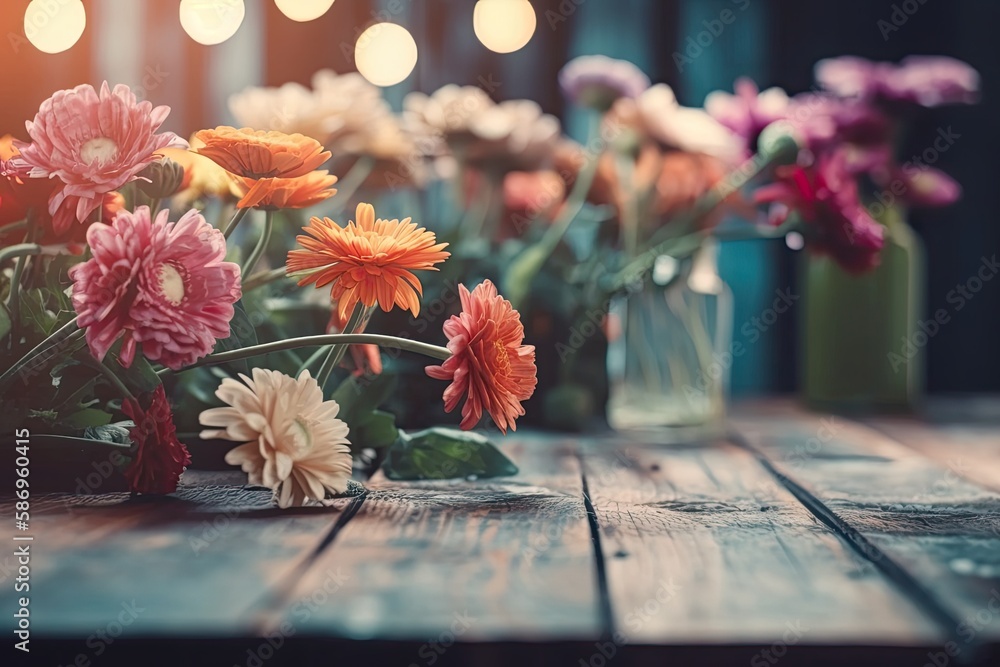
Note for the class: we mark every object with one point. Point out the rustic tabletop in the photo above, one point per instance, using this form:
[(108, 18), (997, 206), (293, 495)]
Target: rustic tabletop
[(800, 538)]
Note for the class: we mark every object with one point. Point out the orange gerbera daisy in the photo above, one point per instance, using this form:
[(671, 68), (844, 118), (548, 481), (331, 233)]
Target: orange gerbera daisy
[(276, 193), (260, 154), (488, 365), (369, 261)]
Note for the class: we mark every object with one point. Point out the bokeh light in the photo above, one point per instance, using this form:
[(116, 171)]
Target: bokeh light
[(385, 54), (53, 27), (303, 10), (211, 21), (504, 26)]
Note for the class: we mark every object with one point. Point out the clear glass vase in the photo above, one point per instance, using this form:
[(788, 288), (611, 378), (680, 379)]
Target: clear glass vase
[(668, 366)]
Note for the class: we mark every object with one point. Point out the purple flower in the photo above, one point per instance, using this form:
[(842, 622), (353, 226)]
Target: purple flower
[(749, 111), (931, 81), (924, 80), (597, 81)]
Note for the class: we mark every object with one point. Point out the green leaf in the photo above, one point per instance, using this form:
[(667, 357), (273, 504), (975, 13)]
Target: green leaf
[(34, 312), (377, 431), (445, 453), (87, 417), (357, 400), (522, 271), (241, 334), (139, 376)]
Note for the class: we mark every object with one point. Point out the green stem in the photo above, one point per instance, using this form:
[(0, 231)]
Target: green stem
[(13, 297), (313, 358), (63, 335), (258, 251), (112, 377), (433, 351), (13, 227), (235, 222), (262, 278), (353, 179), (154, 206), (336, 352), (19, 250)]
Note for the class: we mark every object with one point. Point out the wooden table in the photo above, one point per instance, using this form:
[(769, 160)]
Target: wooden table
[(801, 539)]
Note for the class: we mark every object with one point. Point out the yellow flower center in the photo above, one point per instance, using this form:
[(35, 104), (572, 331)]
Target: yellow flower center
[(99, 150), (171, 284), (502, 357)]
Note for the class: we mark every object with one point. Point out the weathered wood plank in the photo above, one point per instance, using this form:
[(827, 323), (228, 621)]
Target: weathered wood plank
[(703, 545), (941, 529), (193, 563), (497, 559), (969, 451)]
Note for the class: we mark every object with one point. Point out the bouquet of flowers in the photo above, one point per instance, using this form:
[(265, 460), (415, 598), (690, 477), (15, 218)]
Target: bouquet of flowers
[(120, 287)]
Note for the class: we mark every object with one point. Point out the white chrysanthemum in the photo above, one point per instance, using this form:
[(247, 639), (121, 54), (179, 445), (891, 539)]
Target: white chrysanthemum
[(294, 443), (512, 135), (657, 114)]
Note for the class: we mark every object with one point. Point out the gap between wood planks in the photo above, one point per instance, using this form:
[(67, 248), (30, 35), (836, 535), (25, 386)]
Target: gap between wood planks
[(909, 585)]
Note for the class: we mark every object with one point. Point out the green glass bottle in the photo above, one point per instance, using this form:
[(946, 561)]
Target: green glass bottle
[(862, 350)]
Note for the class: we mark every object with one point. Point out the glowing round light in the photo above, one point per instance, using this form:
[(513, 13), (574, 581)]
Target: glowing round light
[(303, 10), (54, 26), (795, 241), (504, 26), (211, 21), (385, 54)]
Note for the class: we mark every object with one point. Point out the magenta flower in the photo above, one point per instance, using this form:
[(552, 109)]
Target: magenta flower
[(748, 111), (159, 284), (924, 80), (93, 143), (597, 81), (826, 196)]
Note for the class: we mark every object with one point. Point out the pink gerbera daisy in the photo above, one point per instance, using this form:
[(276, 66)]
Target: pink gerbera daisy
[(160, 284), (94, 143)]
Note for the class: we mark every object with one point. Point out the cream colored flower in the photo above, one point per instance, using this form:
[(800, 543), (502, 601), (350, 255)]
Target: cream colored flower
[(656, 114), (294, 443), (509, 136), (345, 113)]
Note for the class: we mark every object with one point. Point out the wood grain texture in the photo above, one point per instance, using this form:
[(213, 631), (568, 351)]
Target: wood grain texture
[(940, 528), (194, 563), (703, 545), (971, 451), (497, 559)]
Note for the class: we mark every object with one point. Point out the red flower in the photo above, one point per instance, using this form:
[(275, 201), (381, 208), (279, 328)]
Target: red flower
[(489, 366), (158, 457), (826, 196)]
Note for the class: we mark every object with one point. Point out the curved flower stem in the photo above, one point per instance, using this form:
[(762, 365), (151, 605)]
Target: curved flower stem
[(336, 352), (234, 223), (262, 278), (392, 342), (20, 250), (13, 227), (258, 251)]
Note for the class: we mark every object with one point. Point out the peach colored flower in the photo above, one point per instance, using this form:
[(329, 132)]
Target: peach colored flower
[(369, 261), (94, 143), (277, 193), (293, 441), (259, 154), (159, 284), (489, 366)]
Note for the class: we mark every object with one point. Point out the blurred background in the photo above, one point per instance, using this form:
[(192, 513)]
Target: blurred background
[(775, 42)]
